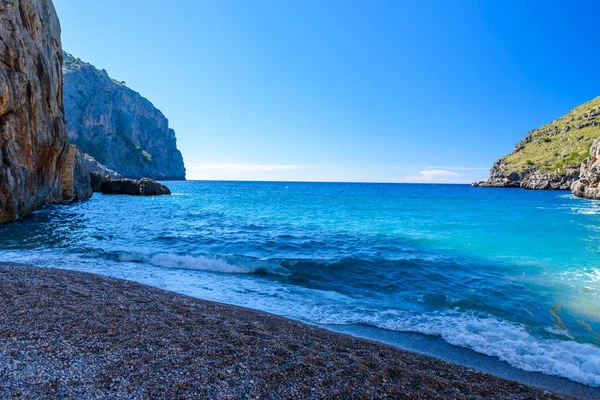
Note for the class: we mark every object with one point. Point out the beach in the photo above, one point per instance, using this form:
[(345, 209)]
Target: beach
[(285, 207), (69, 334)]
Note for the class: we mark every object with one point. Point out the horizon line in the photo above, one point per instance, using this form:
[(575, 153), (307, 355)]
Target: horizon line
[(301, 181)]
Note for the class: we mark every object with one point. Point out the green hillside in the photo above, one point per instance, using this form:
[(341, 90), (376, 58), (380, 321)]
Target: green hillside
[(560, 145)]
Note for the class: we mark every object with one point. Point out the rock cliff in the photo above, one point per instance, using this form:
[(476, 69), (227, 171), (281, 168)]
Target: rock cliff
[(589, 183), (76, 181), (33, 138), (550, 157), (117, 126)]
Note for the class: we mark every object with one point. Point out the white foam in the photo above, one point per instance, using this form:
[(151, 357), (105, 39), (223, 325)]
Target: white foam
[(558, 332), (505, 340), (568, 196), (508, 341), (196, 263)]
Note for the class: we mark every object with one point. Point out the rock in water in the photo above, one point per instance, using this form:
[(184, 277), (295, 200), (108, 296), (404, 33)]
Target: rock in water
[(99, 173), (33, 138), (589, 183), (117, 126), (143, 187), (550, 157)]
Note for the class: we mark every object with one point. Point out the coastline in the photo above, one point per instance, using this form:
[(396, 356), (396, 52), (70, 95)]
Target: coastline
[(67, 333)]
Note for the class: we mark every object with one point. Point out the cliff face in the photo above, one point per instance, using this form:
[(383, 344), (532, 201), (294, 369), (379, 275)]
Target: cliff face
[(550, 157), (589, 183), (33, 139), (117, 126), (76, 181)]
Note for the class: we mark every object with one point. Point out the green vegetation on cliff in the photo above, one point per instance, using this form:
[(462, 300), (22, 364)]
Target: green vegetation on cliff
[(560, 145)]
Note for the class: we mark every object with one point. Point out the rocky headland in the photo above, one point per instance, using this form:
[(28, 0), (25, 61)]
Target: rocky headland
[(550, 158), (33, 138), (117, 126)]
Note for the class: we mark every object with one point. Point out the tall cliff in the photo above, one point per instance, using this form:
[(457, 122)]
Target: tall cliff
[(550, 157), (33, 139), (117, 126)]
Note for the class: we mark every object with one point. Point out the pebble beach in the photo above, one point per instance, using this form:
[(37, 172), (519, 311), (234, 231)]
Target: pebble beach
[(68, 334)]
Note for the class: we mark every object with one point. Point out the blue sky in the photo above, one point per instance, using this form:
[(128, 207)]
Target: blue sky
[(379, 91)]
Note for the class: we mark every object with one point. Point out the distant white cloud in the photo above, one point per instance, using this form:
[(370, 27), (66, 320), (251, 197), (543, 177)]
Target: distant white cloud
[(434, 176), (462, 168), (248, 167)]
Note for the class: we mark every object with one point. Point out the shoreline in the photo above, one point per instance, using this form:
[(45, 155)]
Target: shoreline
[(68, 333), (438, 348)]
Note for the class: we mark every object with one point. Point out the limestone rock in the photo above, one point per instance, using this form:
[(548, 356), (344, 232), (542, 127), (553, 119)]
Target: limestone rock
[(33, 139), (143, 187), (117, 126), (589, 183), (531, 179), (549, 181), (99, 173), (76, 182)]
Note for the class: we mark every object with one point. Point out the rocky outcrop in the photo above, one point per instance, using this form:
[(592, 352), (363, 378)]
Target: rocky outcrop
[(76, 182), (143, 187), (531, 180), (99, 173), (589, 183), (117, 126), (549, 181), (33, 139), (549, 158)]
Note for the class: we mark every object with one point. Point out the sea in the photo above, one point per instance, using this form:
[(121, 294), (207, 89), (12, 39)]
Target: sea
[(509, 274)]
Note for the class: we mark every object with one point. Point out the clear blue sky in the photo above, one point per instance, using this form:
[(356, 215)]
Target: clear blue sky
[(386, 91)]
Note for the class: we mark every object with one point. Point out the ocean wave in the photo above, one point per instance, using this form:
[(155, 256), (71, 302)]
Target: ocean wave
[(196, 263), (549, 351), (228, 265), (569, 196), (508, 341), (588, 211)]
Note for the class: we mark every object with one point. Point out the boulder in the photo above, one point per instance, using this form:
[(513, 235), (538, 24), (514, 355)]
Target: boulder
[(99, 173), (143, 187)]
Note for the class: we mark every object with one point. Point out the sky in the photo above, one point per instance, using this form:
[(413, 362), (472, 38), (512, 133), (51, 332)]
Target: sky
[(341, 90)]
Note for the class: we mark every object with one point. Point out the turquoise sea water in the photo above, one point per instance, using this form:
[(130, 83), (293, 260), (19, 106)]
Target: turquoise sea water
[(508, 273)]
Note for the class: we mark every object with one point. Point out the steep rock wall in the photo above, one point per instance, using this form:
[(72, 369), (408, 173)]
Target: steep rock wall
[(76, 180), (33, 139), (117, 126)]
